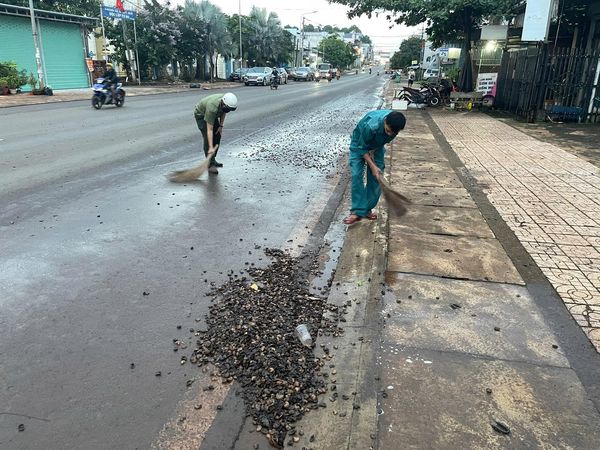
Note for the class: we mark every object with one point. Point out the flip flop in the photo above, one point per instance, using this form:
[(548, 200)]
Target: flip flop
[(371, 216), (351, 219)]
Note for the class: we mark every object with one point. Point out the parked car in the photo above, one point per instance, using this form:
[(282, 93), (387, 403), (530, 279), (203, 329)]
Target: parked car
[(291, 71), (304, 74), (237, 74), (258, 75), (283, 75)]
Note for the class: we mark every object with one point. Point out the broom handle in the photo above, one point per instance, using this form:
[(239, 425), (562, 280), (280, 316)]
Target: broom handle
[(374, 169)]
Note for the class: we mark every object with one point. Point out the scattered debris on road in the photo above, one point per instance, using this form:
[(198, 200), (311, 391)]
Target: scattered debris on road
[(251, 338)]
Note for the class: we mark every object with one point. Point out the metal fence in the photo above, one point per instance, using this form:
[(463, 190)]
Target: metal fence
[(544, 83)]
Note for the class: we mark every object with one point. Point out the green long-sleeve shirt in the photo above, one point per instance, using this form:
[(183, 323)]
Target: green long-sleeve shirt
[(209, 108)]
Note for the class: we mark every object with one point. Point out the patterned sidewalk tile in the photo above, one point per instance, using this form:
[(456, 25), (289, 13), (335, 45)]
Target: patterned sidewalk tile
[(548, 197)]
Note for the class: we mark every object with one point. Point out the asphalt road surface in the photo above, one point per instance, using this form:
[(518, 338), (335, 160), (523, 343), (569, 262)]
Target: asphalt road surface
[(101, 258)]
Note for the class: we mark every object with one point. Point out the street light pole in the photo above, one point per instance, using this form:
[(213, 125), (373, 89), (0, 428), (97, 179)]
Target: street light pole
[(302, 37), (240, 24), (302, 44), (36, 46)]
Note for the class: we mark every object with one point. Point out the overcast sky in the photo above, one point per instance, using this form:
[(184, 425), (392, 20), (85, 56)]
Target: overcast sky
[(328, 14)]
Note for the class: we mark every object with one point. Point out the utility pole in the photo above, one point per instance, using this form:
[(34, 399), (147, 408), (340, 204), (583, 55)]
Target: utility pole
[(301, 44), (240, 19), (36, 46)]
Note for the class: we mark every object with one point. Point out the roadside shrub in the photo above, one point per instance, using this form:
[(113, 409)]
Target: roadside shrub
[(452, 74), (10, 76), (32, 81)]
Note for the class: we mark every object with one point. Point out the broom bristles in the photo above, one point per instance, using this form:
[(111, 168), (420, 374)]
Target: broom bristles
[(183, 176), (395, 200)]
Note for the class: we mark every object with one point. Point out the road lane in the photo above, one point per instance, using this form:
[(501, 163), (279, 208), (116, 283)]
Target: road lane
[(88, 224)]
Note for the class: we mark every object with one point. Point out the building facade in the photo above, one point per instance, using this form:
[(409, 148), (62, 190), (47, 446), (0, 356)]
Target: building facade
[(62, 38)]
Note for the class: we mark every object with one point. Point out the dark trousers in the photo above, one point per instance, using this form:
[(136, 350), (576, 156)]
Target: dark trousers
[(216, 136)]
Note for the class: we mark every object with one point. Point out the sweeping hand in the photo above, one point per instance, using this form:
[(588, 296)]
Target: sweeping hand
[(375, 170)]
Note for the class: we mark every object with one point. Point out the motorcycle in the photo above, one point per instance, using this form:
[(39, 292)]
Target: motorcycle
[(425, 96), (103, 94), (274, 82)]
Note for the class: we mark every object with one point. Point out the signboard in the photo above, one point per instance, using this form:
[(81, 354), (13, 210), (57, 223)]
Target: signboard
[(414, 62), (443, 52), (115, 13), (486, 83), (493, 32), (537, 20), (90, 64)]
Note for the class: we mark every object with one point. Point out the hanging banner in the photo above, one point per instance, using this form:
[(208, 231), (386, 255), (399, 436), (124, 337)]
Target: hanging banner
[(115, 13)]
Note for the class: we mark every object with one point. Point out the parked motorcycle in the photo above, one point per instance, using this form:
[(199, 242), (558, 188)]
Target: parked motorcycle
[(103, 94), (424, 96)]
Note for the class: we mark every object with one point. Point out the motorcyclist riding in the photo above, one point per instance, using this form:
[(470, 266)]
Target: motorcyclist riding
[(275, 75), (111, 79)]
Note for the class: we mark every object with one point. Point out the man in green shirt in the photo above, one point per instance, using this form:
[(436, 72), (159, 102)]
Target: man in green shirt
[(210, 115)]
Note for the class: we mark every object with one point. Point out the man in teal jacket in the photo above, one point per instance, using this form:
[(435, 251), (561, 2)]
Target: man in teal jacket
[(374, 130)]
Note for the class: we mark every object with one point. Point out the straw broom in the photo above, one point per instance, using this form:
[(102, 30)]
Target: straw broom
[(395, 200), (182, 176)]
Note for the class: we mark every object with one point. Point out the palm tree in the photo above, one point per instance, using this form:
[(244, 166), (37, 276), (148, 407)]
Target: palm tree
[(219, 39), (265, 36)]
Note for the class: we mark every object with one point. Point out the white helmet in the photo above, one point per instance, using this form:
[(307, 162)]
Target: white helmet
[(230, 100)]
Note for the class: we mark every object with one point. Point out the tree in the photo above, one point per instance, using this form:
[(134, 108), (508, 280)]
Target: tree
[(410, 50), (158, 35), (233, 25), (309, 28), (445, 20), (365, 39), (192, 43), (336, 51), (90, 8), (266, 37), (286, 49), (218, 37)]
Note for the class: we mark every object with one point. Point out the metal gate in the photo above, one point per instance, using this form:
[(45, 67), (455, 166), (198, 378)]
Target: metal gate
[(542, 83)]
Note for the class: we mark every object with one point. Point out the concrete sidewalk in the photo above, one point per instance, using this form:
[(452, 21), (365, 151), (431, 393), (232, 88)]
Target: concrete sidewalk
[(444, 337), (69, 95)]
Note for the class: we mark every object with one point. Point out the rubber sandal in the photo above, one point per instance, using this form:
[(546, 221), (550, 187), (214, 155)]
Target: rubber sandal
[(351, 219), (371, 216)]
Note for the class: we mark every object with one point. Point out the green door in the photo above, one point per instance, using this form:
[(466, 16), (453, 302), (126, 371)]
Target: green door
[(16, 43), (64, 55), (62, 48)]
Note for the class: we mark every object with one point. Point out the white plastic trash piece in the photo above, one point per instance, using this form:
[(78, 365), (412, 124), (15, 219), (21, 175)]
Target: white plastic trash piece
[(399, 105), (304, 335)]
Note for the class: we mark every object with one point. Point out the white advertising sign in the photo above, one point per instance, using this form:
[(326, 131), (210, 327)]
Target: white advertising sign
[(537, 20), (486, 82)]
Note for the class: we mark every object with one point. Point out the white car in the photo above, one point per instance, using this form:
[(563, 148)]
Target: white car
[(258, 75)]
